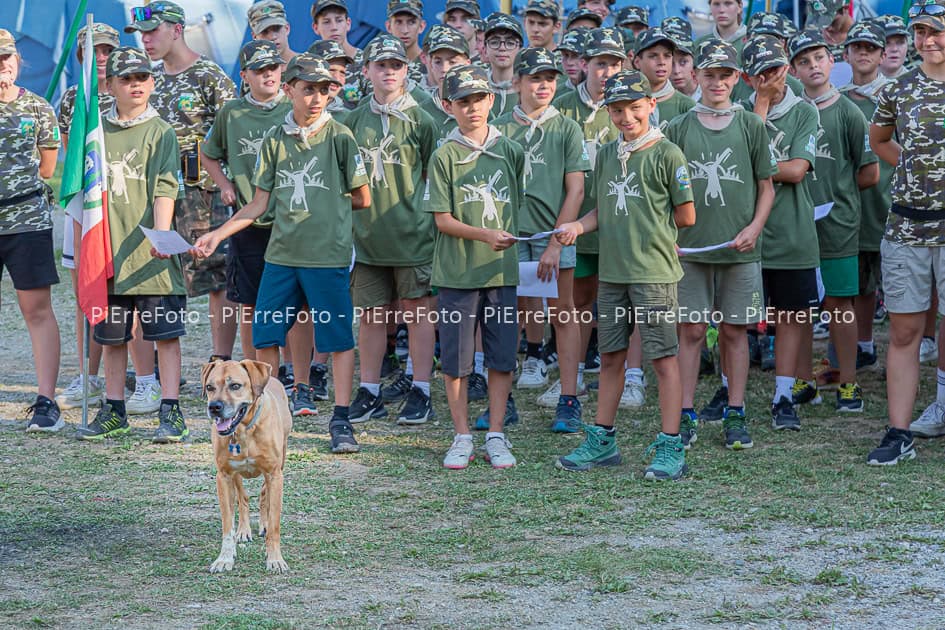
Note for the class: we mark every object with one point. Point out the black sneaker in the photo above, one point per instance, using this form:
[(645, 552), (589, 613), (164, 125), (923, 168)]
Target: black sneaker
[(688, 428), (897, 445), (398, 390), (549, 354), (477, 388), (716, 407), (784, 416), (342, 436), (106, 424), (303, 403), (389, 365), (318, 381), (43, 416), (417, 409), (511, 416), (366, 406), (285, 377), (592, 363), (171, 427), (865, 360), (736, 430), (754, 350)]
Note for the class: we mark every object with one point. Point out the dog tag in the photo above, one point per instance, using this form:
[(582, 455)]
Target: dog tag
[(234, 448)]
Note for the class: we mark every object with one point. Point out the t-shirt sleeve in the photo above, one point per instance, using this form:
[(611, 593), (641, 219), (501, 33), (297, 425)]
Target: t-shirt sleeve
[(167, 163), (214, 145), (518, 166), (221, 89), (680, 185), (887, 107), (858, 138), (66, 108), (762, 158), (265, 178), (47, 127), (349, 161), (576, 159), (804, 137), (427, 132), (439, 194)]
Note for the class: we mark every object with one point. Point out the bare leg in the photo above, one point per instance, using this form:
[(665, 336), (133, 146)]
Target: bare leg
[(246, 331), (670, 390), (456, 398), (691, 338), (343, 370), (37, 310), (116, 360), (735, 341), (843, 335), (372, 342), (902, 366), (300, 340), (500, 384), (567, 332), (611, 386), (169, 362), (421, 337), (222, 323)]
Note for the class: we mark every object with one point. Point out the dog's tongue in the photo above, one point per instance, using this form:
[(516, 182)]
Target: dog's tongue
[(223, 424)]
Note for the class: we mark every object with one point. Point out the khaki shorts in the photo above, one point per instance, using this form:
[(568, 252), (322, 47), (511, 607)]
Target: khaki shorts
[(910, 273), (733, 292), (652, 307), (373, 286), (871, 275), (195, 214)]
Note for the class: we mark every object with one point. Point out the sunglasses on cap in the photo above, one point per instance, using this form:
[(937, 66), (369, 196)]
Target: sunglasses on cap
[(140, 14), (930, 7)]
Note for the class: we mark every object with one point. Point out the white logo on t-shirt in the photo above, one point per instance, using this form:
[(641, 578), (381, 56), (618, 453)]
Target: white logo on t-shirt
[(714, 173), (120, 171), (489, 195), (380, 156), (298, 181), (621, 189)]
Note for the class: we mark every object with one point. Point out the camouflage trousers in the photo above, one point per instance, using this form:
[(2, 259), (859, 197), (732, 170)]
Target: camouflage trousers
[(197, 212)]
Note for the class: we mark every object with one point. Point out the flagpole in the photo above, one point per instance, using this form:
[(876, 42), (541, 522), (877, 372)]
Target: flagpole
[(78, 248), (66, 49)]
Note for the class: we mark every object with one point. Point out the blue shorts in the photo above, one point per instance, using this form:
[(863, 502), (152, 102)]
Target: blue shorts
[(282, 293)]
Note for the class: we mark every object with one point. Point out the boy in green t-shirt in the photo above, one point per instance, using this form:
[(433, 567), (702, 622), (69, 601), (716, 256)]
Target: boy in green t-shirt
[(731, 167), (268, 22), (655, 58), (338, 62), (443, 48), (728, 16), (393, 239), (643, 194), (475, 192), (405, 22), (462, 15), (555, 164), (845, 166), (144, 181), (683, 76), (330, 20), (503, 40), (311, 174), (571, 48), (788, 259)]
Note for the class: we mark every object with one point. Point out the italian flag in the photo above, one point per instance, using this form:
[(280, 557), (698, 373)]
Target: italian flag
[(84, 193)]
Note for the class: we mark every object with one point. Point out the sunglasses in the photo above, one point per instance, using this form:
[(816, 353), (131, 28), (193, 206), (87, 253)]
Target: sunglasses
[(140, 14), (929, 8)]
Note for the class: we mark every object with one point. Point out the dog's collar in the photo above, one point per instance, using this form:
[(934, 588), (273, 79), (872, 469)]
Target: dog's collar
[(255, 417)]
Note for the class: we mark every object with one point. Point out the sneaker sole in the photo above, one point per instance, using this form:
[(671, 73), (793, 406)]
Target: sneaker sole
[(851, 409), (346, 448), (623, 405), (536, 385), (563, 464), (304, 412), (412, 421), (562, 428), (170, 439), (98, 438), (652, 476), (904, 456), (374, 415), (142, 412), (35, 428), (501, 467), (922, 434), (739, 446), (450, 467), (785, 427)]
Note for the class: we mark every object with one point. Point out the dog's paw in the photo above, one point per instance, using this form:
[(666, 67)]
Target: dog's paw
[(222, 564), (276, 565), (246, 536)]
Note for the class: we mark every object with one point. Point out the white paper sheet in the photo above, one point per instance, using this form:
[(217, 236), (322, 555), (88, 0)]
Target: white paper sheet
[(700, 250), (822, 211), (166, 242), (536, 237), (529, 285)]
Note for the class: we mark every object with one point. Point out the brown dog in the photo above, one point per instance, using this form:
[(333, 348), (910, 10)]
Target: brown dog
[(252, 422)]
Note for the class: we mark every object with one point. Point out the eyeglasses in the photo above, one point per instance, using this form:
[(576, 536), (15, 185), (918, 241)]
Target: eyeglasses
[(507, 44), (930, 7)]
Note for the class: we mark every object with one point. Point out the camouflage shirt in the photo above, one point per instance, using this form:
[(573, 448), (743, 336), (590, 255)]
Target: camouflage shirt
[(915, 105), (416, 71), (189, 102), (356, 85), (67, 107), (27, 125)]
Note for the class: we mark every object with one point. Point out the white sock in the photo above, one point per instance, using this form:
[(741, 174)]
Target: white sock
[(580, 378), (724, 381), (634, 375), (423, 387), (782, 387), (940, 389), (374, 388), (492, 434), (480, 358), (867, 346), (409, 369), (463, 436), (141, 381)]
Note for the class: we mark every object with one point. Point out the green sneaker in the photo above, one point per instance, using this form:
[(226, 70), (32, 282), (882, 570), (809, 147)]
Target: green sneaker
[(669, 459), (107, 423), (688, 423), (597, 449), (735, 427), (171, 427)]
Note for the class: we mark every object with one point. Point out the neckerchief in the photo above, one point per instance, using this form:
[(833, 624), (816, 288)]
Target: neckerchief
[(702, 108), (336, 104), (535, 123), (739, 33), (503, 89), (782, 108), (664, 92), (146, 115), (626, 149), (266, 105), (869, 90), (395, 109), (585, 97), (823, 98), (476, 149), (302, 133)]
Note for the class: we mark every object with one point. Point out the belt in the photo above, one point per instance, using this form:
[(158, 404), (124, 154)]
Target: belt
[(917, 214), (12, 201)]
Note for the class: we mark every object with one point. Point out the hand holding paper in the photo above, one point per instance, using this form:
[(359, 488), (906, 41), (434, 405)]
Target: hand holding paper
[(166, 243), (530, 285)]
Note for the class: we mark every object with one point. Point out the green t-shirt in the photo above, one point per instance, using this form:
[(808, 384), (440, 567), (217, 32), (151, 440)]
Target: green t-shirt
[(505, 102), (394, 231), (235, 138), (443, 122), (143, 163), (635, 213), (843, 147), (485, 193), (725, 167), (553, 150), (875, 201), (598, 130), (790, 232), (675, 105), (310, 190)]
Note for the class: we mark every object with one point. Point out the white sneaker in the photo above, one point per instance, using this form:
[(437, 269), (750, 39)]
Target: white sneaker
[(552, 394), (821, 330), (534, 374), (460, 453), (498, 454), (633, 396), (71, 396), (931, 423), (145, 399), (928, 350)]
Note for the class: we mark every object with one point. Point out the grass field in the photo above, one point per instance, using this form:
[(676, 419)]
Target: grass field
[(797, 532)]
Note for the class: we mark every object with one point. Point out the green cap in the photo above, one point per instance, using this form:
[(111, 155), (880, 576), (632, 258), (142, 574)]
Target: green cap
[(463, 81), (320, 5), (308, 67), (258, 54), (102, 35), (776, 24), (805, 40), (383, 47), (574, 41), (867, 31), (469, 6), (632, 15), (329, 49), (653, 36), (763, 52), (503, 22), (7, 42), (583, 14), (931, 13), (544, 8), (892, 24), (627, 85), (149, 17), (442, 37), (126, 60), (604, 41), (716, 53), (535, 60), (413, 7), (264, 14), (677, 28), (822, 12)]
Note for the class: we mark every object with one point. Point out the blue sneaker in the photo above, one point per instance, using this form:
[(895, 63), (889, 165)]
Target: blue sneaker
[(567, 416), (511, 416)]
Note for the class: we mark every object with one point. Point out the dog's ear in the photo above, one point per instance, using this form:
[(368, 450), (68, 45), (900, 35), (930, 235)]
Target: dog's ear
[(205, 375), (259, 374)]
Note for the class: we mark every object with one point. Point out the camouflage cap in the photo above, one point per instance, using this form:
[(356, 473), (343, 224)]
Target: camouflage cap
[(677, 28), (463, 81), (574, 41), (583, 14), (763, 52), (604, 41), (716, 53), (776, 24), (102, 35), (503, 22), (822, 12), (442, 37), (383, 47), (930, 13), (308, 67), (632, 15), (629, 40), (126, 60), (7, 42), (413, 7), (469, 6), (653, 36), (627, 85), (805, 40), (151, 16), (544, 8), (320, 5), (867, 31), (258, 54), (329, 49), (265, 14), (478, 23), (535, 60), (892, 24)]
